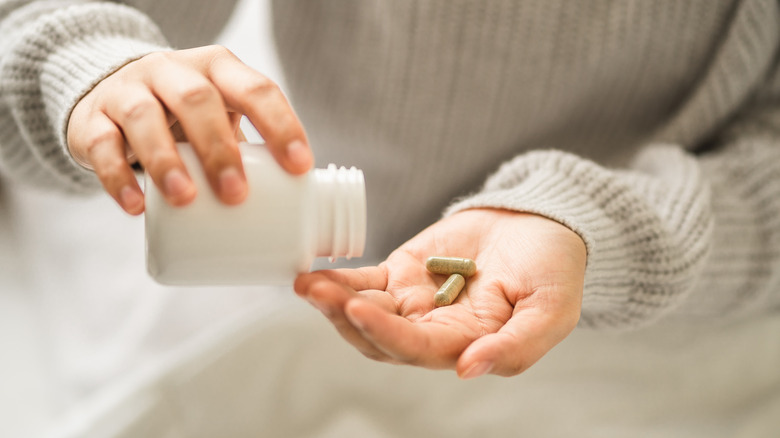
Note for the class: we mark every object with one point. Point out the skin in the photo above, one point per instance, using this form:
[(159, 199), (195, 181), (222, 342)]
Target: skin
[(525, 298), (198, 95)]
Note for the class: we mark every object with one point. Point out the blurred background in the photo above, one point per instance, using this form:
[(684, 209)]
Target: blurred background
[(77, 310)]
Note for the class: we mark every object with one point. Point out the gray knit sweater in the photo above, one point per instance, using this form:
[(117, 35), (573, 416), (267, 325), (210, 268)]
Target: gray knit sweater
[(650, 128)]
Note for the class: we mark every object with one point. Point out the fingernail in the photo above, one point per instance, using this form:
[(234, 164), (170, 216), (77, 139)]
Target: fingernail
[(231, 184), (299, 155), (176, 184), (477, 369), (131, 200)]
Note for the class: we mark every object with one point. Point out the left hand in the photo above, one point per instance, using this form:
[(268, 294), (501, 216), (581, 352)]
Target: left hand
[(524, 299)]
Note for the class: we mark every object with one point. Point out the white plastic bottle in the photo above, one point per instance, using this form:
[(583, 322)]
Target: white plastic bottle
[(275, 234)]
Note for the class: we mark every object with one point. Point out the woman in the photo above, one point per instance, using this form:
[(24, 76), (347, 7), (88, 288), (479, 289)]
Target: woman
[(654, 209)]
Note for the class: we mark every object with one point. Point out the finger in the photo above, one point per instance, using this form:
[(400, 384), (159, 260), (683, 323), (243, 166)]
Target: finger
[(106, 154), (200, 111), (369, 282), (426, 344), (330, 297), (326, 291), (143, 122), (520, 343), (253, 94), (367, 277)]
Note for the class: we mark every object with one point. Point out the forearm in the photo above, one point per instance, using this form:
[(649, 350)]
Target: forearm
[(51, 54), (741, 273)]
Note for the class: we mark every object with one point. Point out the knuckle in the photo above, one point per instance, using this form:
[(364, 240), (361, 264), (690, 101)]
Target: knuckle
[(219, 154), (197, 94), (156, 58), (160, 162), (98, 137), (110, 170), (259, 86), (288, 124), (217, 50), (137, 108), (211, 160)]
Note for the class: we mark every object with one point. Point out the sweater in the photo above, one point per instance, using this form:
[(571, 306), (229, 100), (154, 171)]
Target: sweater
[(652, 129)]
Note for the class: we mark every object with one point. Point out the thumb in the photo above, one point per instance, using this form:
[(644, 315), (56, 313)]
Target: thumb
[(520, 343)]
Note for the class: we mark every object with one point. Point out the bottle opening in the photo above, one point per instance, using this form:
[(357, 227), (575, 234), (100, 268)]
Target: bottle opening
[(341, 199)]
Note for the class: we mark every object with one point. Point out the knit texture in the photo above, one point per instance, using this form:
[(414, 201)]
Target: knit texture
[(601, 111), (51, 56), (649, 128)]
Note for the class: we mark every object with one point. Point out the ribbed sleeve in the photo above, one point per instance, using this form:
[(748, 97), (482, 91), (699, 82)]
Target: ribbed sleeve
[(681, 230), (675, 234), (646, 231), (51, 56)]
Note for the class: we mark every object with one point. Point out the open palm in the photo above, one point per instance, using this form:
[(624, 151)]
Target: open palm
[(523, 300)]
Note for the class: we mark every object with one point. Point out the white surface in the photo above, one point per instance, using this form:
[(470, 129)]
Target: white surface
[(288, 374), (24, 384)]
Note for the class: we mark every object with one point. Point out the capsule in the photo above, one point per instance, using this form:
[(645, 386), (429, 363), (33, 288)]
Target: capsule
[(451, 265), (449, 290)]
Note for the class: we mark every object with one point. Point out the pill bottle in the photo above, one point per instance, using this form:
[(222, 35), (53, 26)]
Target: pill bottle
[(285, 222)]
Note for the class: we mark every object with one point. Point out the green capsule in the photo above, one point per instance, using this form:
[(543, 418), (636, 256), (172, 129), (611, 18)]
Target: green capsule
[(449, 290), (451, 265)]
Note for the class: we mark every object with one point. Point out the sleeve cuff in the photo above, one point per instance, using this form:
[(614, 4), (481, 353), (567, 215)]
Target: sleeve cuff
[(640, 263), (58, 60)]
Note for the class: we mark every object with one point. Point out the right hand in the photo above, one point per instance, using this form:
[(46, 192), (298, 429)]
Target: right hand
[(197, 95)]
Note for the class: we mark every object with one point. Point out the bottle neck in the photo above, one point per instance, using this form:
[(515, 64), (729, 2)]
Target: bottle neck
[(341, 212)]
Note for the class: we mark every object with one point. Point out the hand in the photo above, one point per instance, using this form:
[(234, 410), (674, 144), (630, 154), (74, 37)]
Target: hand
[(524, 299), (200, 94)]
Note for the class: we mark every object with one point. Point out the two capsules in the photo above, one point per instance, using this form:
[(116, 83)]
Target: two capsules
[(458, 270)]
